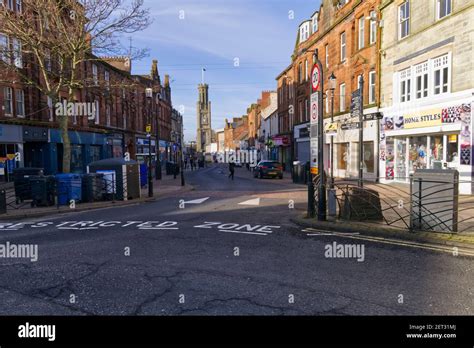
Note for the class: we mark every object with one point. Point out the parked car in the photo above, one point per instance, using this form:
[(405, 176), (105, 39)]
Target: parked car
[(272, 169)]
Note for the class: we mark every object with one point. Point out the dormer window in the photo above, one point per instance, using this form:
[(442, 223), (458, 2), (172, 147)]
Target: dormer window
[(315, 24), (304, 31)]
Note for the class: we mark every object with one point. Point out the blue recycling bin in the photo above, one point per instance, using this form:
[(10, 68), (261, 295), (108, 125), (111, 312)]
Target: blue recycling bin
[(143, 175), (69, 188)]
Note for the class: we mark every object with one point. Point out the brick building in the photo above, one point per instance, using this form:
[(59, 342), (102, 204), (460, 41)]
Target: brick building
[(346, 35)]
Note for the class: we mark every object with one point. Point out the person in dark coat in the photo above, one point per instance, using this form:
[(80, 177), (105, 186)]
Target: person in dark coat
[(231, 170)]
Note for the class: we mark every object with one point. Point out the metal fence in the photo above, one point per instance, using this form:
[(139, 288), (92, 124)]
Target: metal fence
[(433, 205)]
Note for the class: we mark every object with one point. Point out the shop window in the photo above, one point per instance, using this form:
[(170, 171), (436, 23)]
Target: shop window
[(369, 157), (418, 153), (401, 158), (342, 156), (95, 153), (453, 149), (436, 149), (77, 159)]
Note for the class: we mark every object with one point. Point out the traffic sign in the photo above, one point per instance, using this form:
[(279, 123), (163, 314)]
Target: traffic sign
[(315, 78), (148, 128), (314, 108), (373, 117), (355, 103), (350, 126)]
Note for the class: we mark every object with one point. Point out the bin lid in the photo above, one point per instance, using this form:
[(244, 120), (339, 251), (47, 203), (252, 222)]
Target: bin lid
[(112, 162)]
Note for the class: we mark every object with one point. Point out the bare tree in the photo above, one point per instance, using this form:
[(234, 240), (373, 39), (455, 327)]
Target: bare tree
[(47, 43)]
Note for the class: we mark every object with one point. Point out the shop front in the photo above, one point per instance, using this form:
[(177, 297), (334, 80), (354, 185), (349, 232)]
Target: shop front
[(284, 150), (85, 149), (11, 149), (344, 133), (431, 138), (302, 143)]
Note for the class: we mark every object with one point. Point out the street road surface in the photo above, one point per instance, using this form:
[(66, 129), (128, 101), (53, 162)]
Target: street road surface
[(225, 248)]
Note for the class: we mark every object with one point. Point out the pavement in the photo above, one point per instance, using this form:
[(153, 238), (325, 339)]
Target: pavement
[(166, 187), (222, 248)]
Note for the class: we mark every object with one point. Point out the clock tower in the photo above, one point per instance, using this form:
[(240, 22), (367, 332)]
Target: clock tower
[(204, 127)]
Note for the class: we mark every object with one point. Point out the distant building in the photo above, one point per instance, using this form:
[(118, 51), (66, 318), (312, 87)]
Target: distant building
[(204, 125)]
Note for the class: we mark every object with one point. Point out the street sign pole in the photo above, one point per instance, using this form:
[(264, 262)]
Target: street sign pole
[(317, 86), (361, 132)]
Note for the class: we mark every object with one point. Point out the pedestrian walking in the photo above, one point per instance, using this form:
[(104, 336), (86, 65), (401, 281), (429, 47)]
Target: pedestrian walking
[(192, 163), (231, 170)]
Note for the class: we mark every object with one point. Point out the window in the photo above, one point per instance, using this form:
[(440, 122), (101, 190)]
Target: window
[(343, 47), (306, 110), (327, 55), (404, 19), (4, 48), (107, 78), (306, 72), (327, 101), (443, 8), (17, 53), (315, 24), (361, 32), (405, 85), (372, 77), (20, 103), (8, 101), (300, 72), (342, 97), (97, 112), (421, 80), (441, 75), (47, 59), (373, 28), (95, 74), (10, 4), (50, 109), (342, 155), (19, 6), (107, 115), (124, 122)]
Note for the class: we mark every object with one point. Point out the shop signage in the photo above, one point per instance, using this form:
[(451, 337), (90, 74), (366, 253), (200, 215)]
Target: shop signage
[(331, 128), (421, 119), (281, 141)]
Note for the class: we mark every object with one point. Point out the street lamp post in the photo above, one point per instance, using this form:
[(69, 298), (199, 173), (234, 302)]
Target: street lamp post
[(332, 87), (149, 96), (158, 150), (361, 132)]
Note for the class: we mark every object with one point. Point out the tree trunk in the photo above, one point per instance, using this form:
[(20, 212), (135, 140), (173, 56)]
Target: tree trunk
[(63, 123)]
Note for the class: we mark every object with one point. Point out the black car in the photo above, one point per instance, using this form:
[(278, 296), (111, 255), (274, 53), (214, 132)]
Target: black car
[(272, 169)]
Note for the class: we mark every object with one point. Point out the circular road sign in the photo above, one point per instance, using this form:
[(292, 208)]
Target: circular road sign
[(315, 77)]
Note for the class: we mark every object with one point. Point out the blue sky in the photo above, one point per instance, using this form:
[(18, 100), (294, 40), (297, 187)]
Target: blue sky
[(260, 33)]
